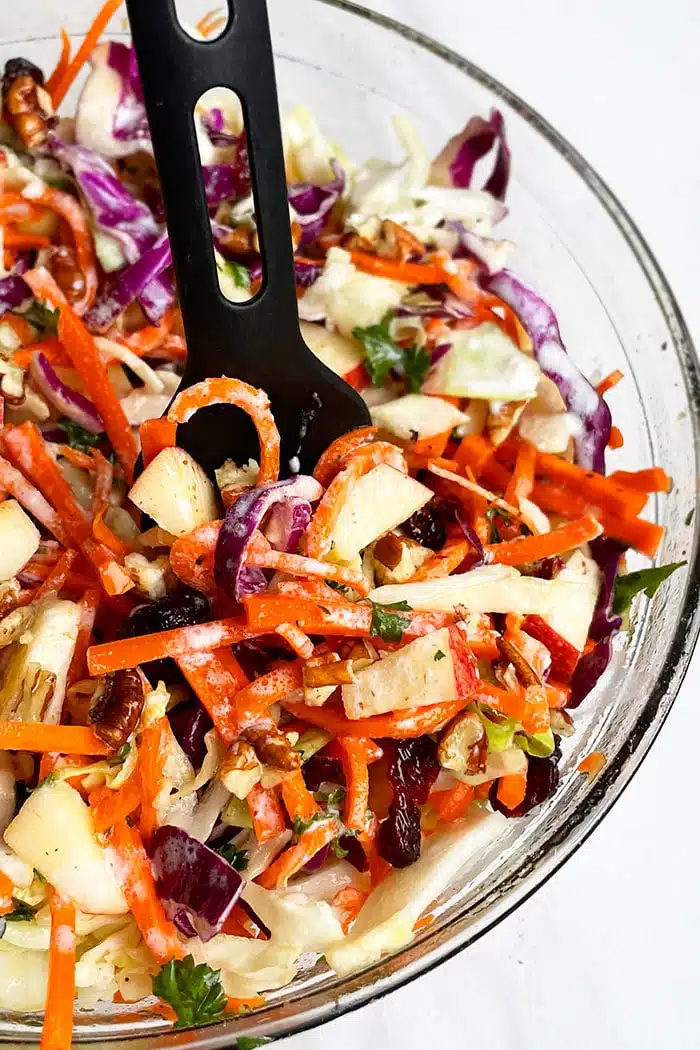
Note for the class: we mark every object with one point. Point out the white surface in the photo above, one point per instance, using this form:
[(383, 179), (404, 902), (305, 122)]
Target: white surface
[(605, 956)]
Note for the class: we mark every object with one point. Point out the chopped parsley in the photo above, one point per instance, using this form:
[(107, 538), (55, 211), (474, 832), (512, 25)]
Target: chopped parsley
[(689, 516), (78, 437), (439, 655), (20, 913), (237, 858), (239, 274), (387, 623), (382, 355), (337, 850), (42, 317), (646, 580), (194, 992), (331, 798)]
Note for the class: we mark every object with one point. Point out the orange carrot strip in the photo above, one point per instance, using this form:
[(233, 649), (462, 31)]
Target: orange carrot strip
[(395, 270), (295, 857), (110, 805), (311, 588), (262, 555), (265, 612), (333, 459), (74, 214), (558, 541), (180, 641), (349, 900), (237, 1006), (217, 679), (56, 580), (7, 890), (616, 440), (298, 800), (57, 1031), (45, 737), (89, 365), (592, 763), (138, 887), (36, 571), (210, 22), (152, 751), (156, 434), (16, 208), (83, 53), (296, 639), (266, 812), (474, 452), (29, 449), (354, 760), (50, 348), (511, 789), (434, 446), (521, 484), (653, 479), (104, 478), (17, 239), (104, 535), (88, 610), (62, 64), (444, 562), (32, 500), (609, 382), (410, 722), (454, 803), (254, 402), (253, 700), (536, 717), (192, 557), (502, 700)]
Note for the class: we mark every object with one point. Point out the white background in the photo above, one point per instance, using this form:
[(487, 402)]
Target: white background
[(606, 955)]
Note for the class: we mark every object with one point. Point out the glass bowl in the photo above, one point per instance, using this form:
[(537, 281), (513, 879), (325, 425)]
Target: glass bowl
[(578, 246)]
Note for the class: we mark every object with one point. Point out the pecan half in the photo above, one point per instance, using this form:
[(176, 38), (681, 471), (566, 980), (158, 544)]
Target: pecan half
[(396, 242), (26, 101), (115, 714), (273, 748), (464, 745), (67, 274), (512, 655), (241, 769)]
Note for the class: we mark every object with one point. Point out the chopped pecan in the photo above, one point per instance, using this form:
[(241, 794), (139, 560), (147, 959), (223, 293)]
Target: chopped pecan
[(241, 240), (273, 748), (26, 101), (389, 550), (115, 714), (13, 626), (500, 422), (512, 655), (67, 274), (241, 769), (464, 744), (396, 242), (322, 675), (10, 591), (354, 242)]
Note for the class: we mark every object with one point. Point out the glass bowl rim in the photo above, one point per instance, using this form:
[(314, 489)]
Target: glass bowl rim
[(612, 781)]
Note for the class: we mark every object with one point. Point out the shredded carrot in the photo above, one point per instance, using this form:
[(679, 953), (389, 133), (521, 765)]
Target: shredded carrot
[(298, 800), (192, 557), (434, 446), (521, 484), (104, 478), (652, 479), (178, 642), (335, 456), (45, 737), (262, 555), (36, 571), (295, 857), (64, 82), (616, 440), (354, 759), (16, 239), (609, 382), (57, 1030), (138, 886), (296, 639), (210, 22), (7, 890), (32, 500), (152, 752), (56, 580), (511, 790), (74, 214), (409, 722), (349, 900), (109, 539), (444, 562), (532, 548), (255, 403), (474, 452), (536, 718), (217, 679), (88, 363), (156, 434), (395, 270), (88, 609), (29, 449), (237, 1006), (454, 803), (51, 349), (110, 805), (253, 700), (16, 208), (592, 764), (61, 66), (266, 813)]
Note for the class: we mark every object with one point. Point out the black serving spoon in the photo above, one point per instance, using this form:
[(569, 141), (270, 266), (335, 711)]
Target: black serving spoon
[(258, 341)]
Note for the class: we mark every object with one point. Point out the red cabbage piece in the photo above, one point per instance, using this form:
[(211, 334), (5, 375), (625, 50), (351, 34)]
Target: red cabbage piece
[(462, 153), (14, 292), (287, 523), (471, 535), (219, 183), (589, 669), (242, 519), (130, 123), (581, 399), (306, 273), (213, 123), (190, 723), (159, 294), (139, 278), (68, 401), (313, 203), (196, 885)]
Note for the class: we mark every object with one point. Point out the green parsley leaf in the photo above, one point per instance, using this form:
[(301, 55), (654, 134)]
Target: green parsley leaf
[(239, 273), (381, 352), (415, 365), (121, 755), (388, 625), (439, 655), (646, 580), (237, 858), (300, 826), (331, 798), (42, 317), (337, 850), (337, 586), (247, 1042), (21, 913), (78, 437), (194, 992)]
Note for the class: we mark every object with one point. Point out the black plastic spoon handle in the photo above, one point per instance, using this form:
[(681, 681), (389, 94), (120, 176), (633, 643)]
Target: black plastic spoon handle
[(176, 70)]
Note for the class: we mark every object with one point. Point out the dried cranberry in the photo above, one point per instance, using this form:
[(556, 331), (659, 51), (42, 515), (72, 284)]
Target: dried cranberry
[(190, 723), (322, 770), (542, 782), (255, 657), (399, 834), (181, 609), (546, 568), (355, 853), (428, 525)]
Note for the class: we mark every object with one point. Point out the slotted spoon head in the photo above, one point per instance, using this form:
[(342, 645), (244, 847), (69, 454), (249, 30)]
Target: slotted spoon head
[(258, 341)]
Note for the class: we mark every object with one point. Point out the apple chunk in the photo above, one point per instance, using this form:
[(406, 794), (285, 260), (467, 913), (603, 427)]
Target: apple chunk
[(436, 668), (375, 505)]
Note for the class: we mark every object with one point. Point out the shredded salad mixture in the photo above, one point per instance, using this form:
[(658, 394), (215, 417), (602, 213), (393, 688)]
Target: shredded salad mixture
[(248, 724)]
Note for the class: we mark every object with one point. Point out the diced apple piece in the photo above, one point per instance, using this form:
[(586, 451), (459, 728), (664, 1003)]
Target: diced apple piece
[(417, 416), (433, 669), (499, 764), (376, 504), (340, 354), (175, 492), (485, 363), (19, 539), (53, 832), (566, 602), (387, 919)]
